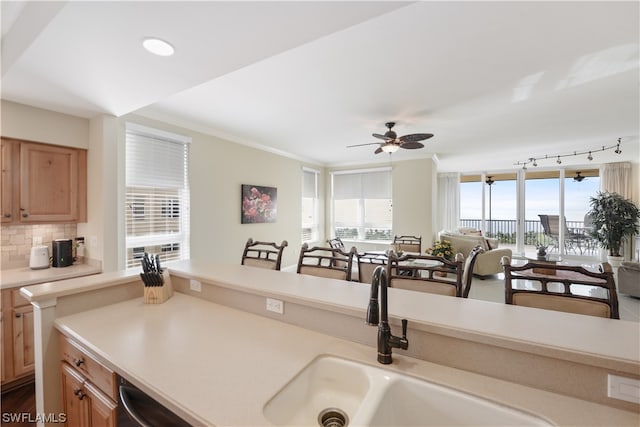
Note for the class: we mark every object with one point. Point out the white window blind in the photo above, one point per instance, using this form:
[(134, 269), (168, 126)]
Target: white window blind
[(310, 205), (157, 194), (362, 204)]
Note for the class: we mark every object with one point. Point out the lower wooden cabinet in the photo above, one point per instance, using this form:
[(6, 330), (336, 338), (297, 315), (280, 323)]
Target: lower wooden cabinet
[(89, 389), (18, 356), (83, 403)]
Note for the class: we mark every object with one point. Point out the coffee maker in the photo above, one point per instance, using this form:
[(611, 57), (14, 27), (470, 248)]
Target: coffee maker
[(62, 252)]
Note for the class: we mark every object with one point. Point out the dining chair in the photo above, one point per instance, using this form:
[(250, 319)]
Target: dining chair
[(467, 274), (263, 254), (408, 244), (559, 287), (336, 243), (367, 263), (426, 273), (326, 262)]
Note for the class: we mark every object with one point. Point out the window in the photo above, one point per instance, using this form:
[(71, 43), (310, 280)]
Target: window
[(310, 205), (362, 204), (157, 194)]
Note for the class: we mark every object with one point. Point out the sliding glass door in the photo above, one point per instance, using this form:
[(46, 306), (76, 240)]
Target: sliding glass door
[(523, 209)]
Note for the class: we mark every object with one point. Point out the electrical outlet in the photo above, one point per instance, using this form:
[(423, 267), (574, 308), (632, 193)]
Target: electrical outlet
[(94, 241), (195, 285), (36, 241), (623, 388), (275, 305)]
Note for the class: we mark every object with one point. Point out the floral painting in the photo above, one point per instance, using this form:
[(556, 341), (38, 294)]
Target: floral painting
[(259, 204)]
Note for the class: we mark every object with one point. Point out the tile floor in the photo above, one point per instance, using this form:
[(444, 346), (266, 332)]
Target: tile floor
[(492, 289)]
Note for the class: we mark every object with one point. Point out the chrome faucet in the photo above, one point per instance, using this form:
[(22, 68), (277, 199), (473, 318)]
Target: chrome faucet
[(379, 318)]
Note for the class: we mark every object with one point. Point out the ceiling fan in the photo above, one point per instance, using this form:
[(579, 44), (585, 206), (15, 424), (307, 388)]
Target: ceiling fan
[(392, 142)]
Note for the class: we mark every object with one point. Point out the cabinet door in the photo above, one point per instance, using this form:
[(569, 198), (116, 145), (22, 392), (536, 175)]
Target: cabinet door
[(23, 354), (48, 183), (102, 410), (7, 181), (75, 403)]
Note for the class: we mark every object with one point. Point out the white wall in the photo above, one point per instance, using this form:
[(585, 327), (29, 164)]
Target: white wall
[(35, 124), (217, 169)]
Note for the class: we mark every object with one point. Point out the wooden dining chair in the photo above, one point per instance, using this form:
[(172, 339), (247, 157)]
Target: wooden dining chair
[(367, 263), (408, 244), (326, 262), (263, 254), (467, 274), (557, 287), (336, 243), (426, 273)]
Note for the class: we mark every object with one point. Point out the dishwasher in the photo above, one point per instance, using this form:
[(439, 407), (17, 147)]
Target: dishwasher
[(136, 409)]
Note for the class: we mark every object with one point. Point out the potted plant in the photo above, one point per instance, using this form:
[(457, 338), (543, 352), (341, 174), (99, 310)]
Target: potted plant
[(615, 219), (442, 249)]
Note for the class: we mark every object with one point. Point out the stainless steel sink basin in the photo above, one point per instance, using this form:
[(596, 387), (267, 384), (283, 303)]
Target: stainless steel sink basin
[(365, 395)]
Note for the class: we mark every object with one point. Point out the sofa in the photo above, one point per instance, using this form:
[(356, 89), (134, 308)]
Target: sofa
[(629, 278), (464, 240)]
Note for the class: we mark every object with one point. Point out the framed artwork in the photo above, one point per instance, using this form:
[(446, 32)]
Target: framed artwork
[(259, 204)]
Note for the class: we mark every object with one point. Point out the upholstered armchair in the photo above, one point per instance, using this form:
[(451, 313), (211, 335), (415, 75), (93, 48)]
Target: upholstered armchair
[(629, 278), (488, 262)]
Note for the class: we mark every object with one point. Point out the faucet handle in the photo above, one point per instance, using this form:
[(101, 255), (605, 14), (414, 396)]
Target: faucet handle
[(404, 329)]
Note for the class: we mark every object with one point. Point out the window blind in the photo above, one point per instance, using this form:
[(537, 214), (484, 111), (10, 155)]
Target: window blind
[(362, 204), (157, 197)]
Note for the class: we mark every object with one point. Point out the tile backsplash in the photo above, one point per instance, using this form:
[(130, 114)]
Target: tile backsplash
[(17, 240)]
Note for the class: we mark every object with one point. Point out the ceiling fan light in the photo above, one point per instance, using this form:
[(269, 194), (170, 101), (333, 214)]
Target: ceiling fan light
[(390, 148)]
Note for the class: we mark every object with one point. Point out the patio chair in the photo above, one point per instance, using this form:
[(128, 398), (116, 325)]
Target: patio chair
[(263, 254), (551, 227)]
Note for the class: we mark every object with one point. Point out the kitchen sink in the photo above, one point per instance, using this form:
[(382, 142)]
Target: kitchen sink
[(327, 382), (411, 402), (336, 392)]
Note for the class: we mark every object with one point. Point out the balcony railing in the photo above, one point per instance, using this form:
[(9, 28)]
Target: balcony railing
[(505, 231)]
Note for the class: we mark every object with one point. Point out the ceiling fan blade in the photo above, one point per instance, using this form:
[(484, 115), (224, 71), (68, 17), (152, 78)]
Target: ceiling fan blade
[(386, 138), (411, 145), (414, 137), (368, 143), (378, 151)]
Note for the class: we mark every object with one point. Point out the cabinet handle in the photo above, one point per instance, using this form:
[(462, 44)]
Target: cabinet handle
[(79, 362), (18, 315), (78, 392), (7, 215), (24, 215)]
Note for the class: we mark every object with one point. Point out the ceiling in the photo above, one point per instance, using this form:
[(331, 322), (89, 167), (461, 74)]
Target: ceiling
[(496, 82)]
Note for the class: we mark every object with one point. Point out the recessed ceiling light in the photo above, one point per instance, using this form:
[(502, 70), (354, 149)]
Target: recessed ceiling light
[(158, 46)]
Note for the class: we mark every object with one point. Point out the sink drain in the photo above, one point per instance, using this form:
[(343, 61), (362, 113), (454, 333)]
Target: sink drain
[(333, 417)]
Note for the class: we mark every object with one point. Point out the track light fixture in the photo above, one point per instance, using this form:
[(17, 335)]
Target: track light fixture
[(534, 160)]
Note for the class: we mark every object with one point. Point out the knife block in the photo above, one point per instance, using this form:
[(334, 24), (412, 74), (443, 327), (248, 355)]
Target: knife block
[(159, 294)]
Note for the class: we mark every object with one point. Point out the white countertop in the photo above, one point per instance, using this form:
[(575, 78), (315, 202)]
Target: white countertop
[(215, 365), (25, 276), (570, 336)]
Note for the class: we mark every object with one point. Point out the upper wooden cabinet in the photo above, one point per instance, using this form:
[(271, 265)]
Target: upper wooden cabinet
[(43, 183)]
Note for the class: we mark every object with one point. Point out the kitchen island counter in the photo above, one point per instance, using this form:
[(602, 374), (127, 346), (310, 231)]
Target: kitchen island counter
[(215, 365)]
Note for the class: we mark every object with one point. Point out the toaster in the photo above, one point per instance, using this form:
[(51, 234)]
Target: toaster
[(39, 257)]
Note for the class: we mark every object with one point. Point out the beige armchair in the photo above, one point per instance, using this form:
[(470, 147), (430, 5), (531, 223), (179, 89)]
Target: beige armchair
[(629, 278), (488, 262)]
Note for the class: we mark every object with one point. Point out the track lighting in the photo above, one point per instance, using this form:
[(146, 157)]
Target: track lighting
[(534, 160)]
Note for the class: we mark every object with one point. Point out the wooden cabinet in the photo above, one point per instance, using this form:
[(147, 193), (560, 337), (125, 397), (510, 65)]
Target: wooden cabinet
[(89, 389), (9, 160), (18, 356), (43, 183)]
